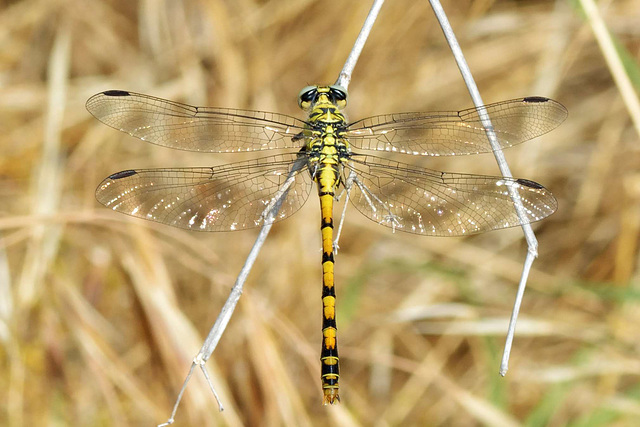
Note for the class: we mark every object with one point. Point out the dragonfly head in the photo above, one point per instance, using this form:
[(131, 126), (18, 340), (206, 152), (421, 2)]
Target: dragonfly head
[(311, 95)]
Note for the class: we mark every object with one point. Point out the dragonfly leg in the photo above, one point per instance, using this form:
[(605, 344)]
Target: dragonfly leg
[(347, 190), (390, 217)]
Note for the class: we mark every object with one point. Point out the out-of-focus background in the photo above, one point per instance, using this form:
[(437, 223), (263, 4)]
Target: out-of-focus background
[(101, 314)]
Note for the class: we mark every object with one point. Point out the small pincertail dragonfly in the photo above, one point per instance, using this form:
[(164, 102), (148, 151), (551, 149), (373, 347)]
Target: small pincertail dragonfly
[(319, 149)]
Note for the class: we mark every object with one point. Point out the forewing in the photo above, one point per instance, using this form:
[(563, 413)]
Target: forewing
[(452, 133), (428, 202), (175, 125), (221, 198)]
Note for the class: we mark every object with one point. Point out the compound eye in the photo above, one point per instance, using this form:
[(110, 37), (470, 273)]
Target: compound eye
[(339, 95), (307, 96)]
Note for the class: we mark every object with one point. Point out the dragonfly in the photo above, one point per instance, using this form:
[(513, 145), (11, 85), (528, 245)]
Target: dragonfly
[(322, 150)]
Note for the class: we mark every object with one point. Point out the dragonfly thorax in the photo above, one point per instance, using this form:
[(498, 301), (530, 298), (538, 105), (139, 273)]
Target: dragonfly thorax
[(326, 132), (326, 125), (326, 145)]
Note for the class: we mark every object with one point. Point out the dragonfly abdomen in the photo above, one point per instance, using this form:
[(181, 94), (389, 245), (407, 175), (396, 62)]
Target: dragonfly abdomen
[(327, 178)]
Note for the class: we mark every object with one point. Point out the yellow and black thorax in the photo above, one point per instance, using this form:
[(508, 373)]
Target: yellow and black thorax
[(326, 145)]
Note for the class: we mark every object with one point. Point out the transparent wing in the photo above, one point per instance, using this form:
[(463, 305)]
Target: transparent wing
[(175, 125), (220, 198), (452, 133), (428, 202)]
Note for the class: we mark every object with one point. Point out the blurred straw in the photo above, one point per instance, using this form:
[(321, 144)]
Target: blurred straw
[(6, 297), (48, 177), (610, 53)]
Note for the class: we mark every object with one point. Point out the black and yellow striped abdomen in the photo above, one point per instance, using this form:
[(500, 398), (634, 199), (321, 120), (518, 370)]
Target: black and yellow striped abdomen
[(329, 355)]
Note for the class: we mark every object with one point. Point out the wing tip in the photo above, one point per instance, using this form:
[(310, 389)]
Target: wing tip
[(561, 109)]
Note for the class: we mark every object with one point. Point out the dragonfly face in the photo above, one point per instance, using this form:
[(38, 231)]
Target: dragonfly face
[(333, 94), (401, 196)]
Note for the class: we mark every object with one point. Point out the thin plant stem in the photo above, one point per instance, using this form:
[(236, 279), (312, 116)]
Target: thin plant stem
[(345, 75), (532, 242), (210, 343)]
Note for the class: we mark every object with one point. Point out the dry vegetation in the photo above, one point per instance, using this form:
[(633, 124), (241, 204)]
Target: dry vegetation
[(101, 314)]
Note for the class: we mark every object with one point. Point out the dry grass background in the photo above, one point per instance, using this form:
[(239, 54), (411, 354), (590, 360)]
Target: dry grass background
[(101, 314)]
